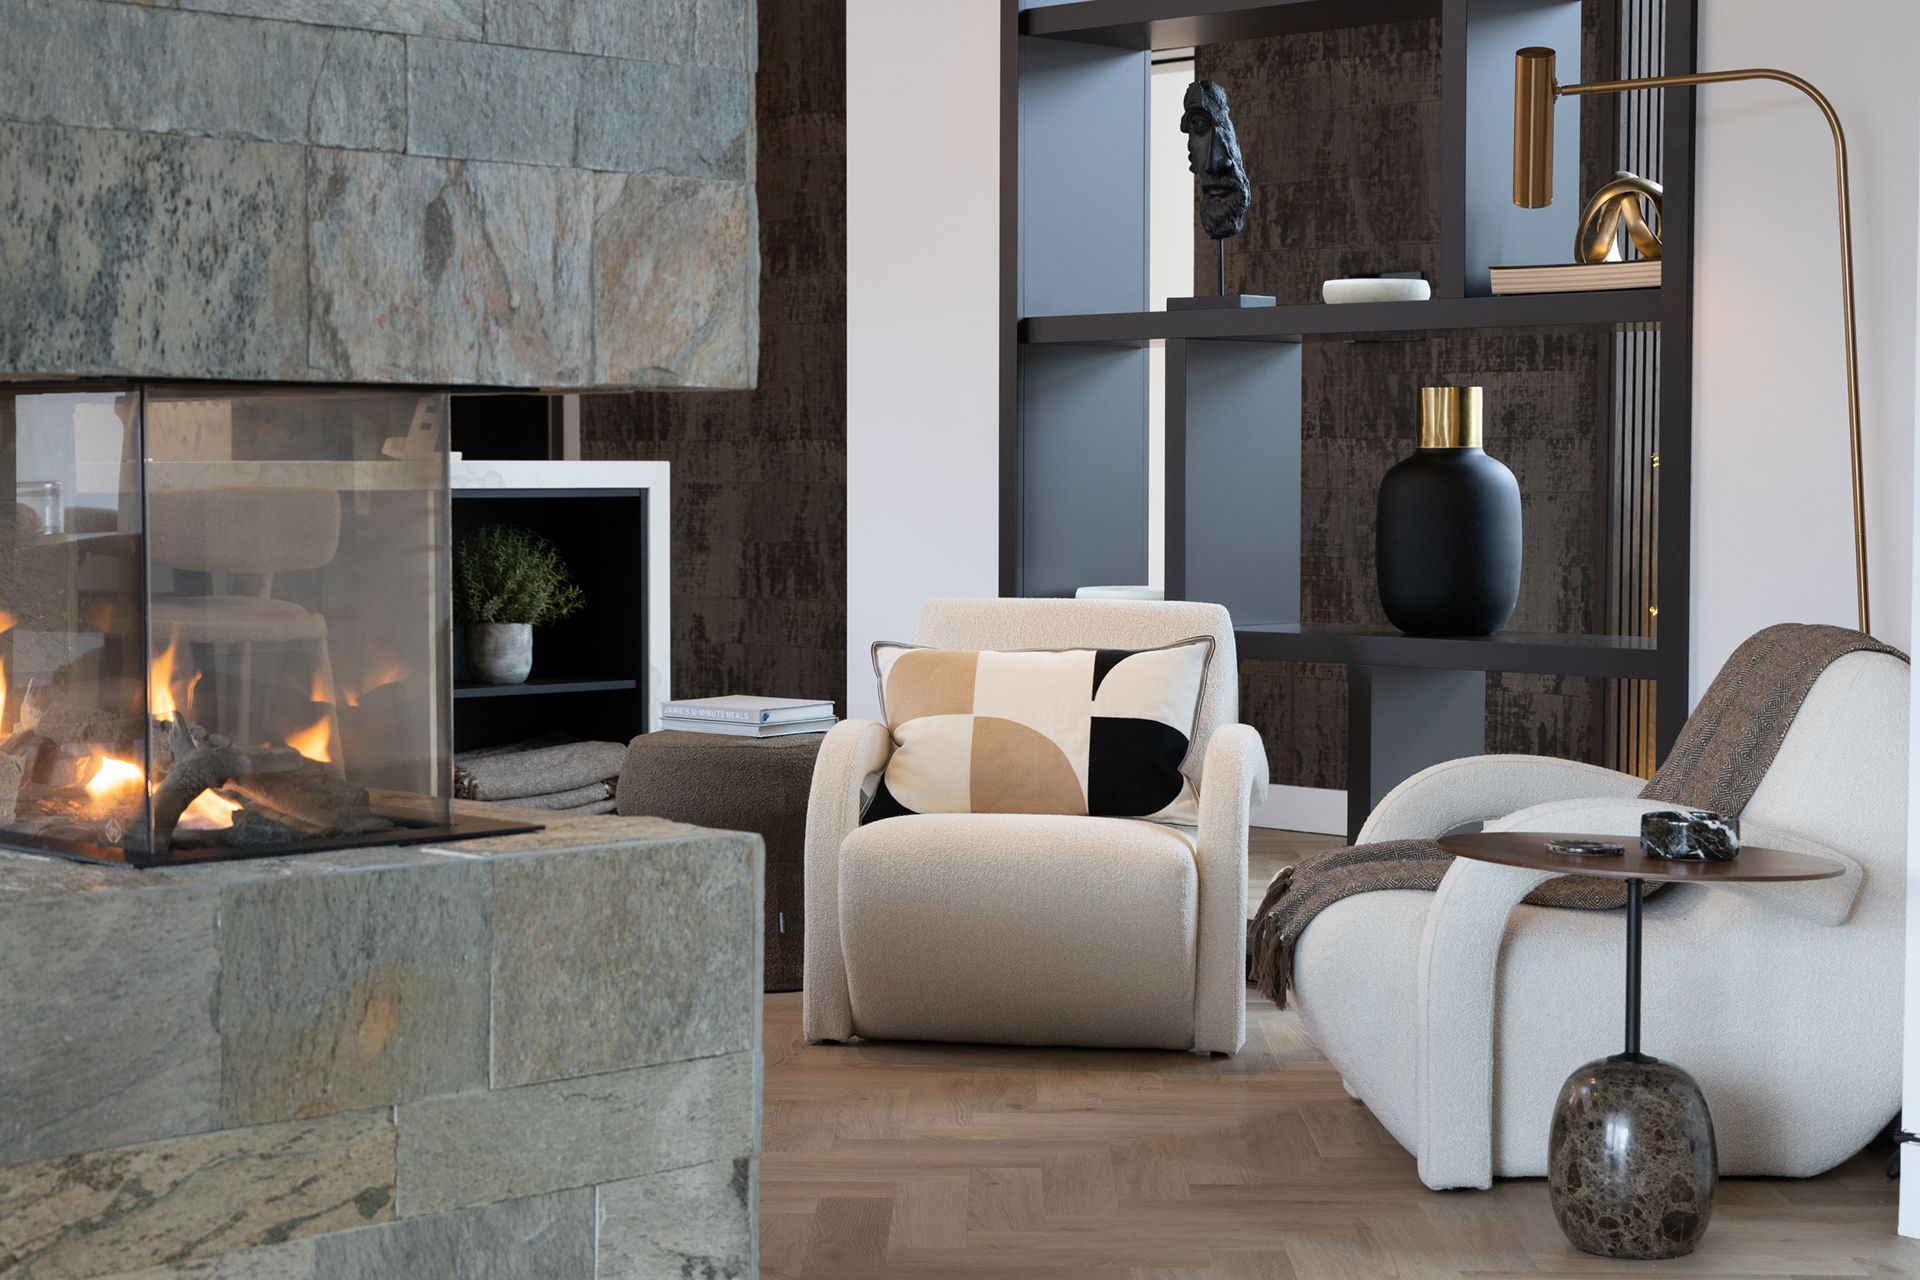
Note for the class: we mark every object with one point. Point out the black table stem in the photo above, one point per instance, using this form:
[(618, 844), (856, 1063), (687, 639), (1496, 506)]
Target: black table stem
[(1633, 966)]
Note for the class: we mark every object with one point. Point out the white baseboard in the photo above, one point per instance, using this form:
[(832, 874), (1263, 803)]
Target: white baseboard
[(1312, 809)]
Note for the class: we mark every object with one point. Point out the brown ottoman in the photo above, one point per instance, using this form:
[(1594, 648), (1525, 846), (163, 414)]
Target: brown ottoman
[(736, 784)]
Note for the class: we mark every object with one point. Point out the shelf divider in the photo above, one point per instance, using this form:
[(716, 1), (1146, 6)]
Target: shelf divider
[(1295, 323)]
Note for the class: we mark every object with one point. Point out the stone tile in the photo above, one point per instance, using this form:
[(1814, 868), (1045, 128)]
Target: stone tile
[(457, 19), (139, 254), (360, 98), (352, 989), (550, 1237), (675, 272), (479, 1148), (293, 1261), (643, 117), (490, 102), (436, 270), (723, 33), (106, 1024), (699, 1221), (652, 30), (186, 1199), (116, 66), (590, 831), (609, 959)]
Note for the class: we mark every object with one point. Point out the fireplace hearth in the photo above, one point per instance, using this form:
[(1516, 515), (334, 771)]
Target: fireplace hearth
[(224, 625)]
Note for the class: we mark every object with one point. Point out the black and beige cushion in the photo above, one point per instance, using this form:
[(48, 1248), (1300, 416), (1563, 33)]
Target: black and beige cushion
[(1097, 732)]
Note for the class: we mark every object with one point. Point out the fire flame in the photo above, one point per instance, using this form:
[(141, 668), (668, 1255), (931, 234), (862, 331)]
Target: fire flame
[(112, 778), (166, 691), (7, 620), (315, 742), (210, 811), (383, 669), (320, 691)]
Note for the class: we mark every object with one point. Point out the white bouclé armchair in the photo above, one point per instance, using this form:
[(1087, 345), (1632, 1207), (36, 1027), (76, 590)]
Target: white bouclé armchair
[(1456, 1015), (1037, 929)]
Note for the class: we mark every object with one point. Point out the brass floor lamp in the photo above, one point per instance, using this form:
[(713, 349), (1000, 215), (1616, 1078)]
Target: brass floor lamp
[(1534, 91)]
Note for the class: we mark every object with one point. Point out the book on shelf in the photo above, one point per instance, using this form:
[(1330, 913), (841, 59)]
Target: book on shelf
[(746, 728), (743, 709), (1577, 277)]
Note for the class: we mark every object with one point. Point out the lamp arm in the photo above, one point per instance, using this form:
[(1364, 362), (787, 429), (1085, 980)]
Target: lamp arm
[(1846, 267)]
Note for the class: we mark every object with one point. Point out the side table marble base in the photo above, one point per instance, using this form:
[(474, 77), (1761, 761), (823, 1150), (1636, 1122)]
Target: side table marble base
[(1630, 1159)]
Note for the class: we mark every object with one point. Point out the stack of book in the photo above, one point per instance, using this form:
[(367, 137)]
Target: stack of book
[(1577, 277), (748, 717)]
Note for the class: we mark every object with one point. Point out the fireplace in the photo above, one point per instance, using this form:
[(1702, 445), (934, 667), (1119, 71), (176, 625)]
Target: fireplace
[(224, 621)]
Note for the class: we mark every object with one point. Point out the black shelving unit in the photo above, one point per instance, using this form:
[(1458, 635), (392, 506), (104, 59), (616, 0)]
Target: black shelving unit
[(589, 671), (1073, 341)]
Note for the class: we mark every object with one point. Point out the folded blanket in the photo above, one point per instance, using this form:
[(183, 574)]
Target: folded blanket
[(542, 772), (1722, 754), (590, 794)]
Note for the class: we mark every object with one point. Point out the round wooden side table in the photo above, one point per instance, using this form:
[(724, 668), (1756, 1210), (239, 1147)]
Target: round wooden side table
[(1630, 1159)]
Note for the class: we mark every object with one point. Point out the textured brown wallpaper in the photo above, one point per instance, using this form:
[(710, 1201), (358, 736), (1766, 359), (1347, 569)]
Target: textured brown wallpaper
[(1341, 136), (759, 477)]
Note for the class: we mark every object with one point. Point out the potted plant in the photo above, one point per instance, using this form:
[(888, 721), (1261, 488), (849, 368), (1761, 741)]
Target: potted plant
[(506, 582)]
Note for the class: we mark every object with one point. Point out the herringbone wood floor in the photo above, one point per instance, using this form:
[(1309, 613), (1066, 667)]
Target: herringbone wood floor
[(921, 1161)]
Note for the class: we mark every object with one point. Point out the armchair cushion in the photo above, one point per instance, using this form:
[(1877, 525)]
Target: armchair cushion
[(1020, 929), (1072, 731)]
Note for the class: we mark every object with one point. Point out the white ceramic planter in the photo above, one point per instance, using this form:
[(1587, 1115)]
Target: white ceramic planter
[(500, 652)]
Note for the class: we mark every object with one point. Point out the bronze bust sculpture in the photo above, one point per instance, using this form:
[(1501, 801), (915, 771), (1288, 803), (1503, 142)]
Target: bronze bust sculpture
[(1213, 155)]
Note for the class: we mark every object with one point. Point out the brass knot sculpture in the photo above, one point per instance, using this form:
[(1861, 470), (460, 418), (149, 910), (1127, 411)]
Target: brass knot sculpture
[(1613, 205)]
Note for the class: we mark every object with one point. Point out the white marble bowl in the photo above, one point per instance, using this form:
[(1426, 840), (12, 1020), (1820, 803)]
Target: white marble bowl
[(1376, 289)]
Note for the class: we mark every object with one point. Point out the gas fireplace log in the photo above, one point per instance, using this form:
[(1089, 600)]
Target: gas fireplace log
[(310, 798), (201, 770)]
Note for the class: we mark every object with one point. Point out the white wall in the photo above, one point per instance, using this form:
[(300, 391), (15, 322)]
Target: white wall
[(923, 279), (1771, 517), (1910, 1074)]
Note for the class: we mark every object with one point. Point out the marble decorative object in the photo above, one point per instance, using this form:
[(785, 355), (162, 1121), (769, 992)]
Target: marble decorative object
[(1630, 1159), (1690, 835), (1375, 289)]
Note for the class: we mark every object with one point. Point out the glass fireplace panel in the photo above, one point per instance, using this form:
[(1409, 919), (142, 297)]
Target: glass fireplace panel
[(227, 628), (72, 672)]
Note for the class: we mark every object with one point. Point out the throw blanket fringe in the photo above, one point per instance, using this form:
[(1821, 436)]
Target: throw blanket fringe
[(1722, 755)]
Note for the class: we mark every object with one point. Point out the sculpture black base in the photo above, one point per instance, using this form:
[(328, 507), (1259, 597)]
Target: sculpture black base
[(1630, 1162), (1219, 300)]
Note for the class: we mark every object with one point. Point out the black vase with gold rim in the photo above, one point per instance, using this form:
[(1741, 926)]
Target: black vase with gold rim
[(1448, 546)]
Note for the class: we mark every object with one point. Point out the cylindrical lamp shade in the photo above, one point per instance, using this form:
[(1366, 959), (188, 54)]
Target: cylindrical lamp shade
[(1533, 128)]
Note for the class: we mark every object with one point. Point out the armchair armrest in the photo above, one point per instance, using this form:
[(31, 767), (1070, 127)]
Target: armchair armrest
[(853, 752), (1233, 780), (1481, 788)]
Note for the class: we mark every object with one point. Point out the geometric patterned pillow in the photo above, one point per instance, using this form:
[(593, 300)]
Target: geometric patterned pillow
[(1077, 731)]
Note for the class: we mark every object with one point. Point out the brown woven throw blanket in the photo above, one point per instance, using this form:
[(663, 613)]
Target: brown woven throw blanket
[(1724, 750)]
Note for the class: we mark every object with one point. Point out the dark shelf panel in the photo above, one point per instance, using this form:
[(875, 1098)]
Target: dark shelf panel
[(542, 684), (1616, 657), (1292, 324), (1178, 24)]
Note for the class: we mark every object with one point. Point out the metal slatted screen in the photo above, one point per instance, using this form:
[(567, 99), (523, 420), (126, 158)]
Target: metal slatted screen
[(1633, 588)]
